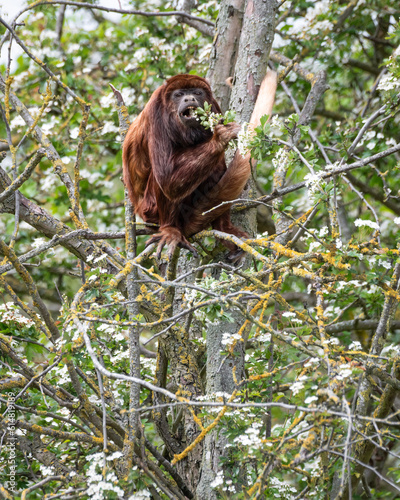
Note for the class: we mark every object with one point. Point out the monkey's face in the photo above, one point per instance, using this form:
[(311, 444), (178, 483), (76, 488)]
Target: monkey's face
[(185, 102)]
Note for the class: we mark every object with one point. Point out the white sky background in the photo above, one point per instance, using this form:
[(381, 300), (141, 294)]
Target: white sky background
[(10, 8)]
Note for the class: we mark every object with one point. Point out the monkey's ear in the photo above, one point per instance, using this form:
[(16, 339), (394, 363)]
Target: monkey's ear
[(229, 81)]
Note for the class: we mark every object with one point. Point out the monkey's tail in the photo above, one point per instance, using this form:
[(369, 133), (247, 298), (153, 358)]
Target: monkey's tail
[(239, 170), (233, 181), (265, 99)]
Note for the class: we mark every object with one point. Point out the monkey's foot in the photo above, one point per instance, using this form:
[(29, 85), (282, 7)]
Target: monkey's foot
[(236, 254), (172, 237), (236, 257)]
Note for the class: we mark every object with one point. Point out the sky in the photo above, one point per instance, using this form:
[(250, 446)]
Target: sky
[(10, 8)]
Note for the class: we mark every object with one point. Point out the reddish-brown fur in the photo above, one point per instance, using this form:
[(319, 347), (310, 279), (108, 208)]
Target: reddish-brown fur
[(174, 172)]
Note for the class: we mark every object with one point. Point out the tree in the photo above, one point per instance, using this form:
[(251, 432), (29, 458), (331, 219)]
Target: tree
[(125, 377)]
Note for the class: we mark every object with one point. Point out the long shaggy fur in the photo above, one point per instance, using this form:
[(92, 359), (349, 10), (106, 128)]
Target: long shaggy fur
[(175, 172)]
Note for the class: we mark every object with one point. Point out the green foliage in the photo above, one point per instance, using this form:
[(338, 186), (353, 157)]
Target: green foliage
[(208, 119)]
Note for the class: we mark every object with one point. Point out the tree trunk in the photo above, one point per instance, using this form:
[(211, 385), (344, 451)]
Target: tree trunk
[(251, 66), (225, 50)]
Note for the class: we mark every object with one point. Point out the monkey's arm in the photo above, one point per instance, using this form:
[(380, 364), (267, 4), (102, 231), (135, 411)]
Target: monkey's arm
[(179, 174)]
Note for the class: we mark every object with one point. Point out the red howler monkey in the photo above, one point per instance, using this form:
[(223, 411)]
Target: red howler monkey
[(174, 169)]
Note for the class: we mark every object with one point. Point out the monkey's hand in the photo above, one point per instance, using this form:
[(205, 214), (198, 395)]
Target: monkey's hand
[(172, 237), (225, 133)]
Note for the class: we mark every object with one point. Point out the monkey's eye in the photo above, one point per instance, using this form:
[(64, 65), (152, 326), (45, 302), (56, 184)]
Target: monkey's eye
[(178, 94), (198, 92)]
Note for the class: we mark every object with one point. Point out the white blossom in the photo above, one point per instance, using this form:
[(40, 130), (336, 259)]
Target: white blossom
[(128, 95), (140, 495), (109, 127), (10, 312), (107, 100), (312, 361), (230, 338), (102, 256), (50, 124), (275, 126), (324, 231), (219, 479), (17, 122), (288, 314), (251, 437), (47, 471), (344, 372), (333, 341), (314, 182), (368, 223), (355, 346), (314, 245), (296, 387), (308, 25), (264, 337), (285, 489), (388, 82), (100, 485), (74, 132), (204, 52), (72, 48), (63, 375), (391, 350), (244, 138), (38, 242), (281, 160), (92, 177)]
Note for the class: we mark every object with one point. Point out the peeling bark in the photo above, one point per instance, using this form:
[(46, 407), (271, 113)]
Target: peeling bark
[(225, 50)]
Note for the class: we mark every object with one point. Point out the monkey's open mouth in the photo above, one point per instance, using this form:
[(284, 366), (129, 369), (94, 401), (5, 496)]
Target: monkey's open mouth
[(189, 113)]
